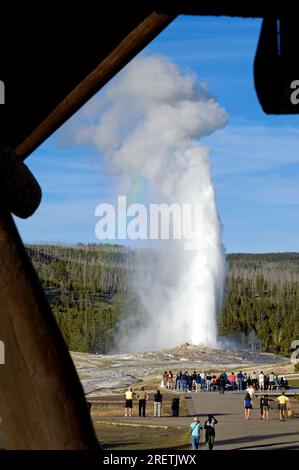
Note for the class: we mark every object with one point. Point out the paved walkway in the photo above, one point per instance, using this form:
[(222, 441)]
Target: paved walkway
[(232, 431)]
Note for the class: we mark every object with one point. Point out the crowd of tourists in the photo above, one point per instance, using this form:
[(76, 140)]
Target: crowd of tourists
[(205, 381), (184, 381)]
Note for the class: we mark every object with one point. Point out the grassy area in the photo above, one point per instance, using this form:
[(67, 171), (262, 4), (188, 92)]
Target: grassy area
[(113, 406), (113, 437), (126, 437), (294, 383)]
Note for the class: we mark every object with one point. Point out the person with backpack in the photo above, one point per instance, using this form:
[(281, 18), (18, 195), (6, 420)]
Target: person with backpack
[(209, 426), (266, 406), (195, 428)]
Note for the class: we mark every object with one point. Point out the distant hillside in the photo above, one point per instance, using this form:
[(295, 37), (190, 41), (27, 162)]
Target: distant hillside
[(88, 287), (262, 300)]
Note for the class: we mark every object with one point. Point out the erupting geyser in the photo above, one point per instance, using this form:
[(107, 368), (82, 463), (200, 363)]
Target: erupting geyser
[(147, 125)]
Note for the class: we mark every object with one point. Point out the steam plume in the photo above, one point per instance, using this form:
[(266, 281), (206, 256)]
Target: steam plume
[(147, 125)]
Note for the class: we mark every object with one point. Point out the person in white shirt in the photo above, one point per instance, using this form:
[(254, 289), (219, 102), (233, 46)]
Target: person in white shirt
[(271, 381), (250, 390), (261, 381)]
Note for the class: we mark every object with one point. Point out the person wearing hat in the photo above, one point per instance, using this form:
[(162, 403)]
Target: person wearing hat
[(195, 428), (282, 401), (142, 396)]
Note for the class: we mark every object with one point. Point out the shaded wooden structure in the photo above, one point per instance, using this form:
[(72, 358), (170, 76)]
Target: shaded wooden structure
[(42, 403)]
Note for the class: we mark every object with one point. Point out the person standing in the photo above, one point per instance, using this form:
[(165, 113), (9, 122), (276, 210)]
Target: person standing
[(142, 396), (250, 390), (247, 406), (170, 380), (184, 381), (214, 382), (165, 378), (208, 381), (232, 381), (240, 381), (266, 406), (271, 381), (245, 381), (198, 382), (254, 380), (195, 428), (262, 406), (261, 381), (179, 380), (221, 384), (209, 426), (194, 377), (282, 401), (158, 403), (189, 382), (202, 381), (129, 401)]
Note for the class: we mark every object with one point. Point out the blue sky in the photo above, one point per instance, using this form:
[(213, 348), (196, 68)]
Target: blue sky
[(254, 159)]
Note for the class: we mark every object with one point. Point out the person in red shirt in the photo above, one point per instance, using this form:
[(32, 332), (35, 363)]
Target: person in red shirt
[(232, 380)]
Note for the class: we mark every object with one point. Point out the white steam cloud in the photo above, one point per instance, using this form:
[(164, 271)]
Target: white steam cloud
[(147, 125)]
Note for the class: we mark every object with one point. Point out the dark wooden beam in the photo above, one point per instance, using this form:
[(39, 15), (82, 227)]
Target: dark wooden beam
[(42, 403), (19, 189), (113, 63)]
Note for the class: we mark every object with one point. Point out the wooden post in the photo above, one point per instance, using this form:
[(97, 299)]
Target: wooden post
[(42, 403)]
